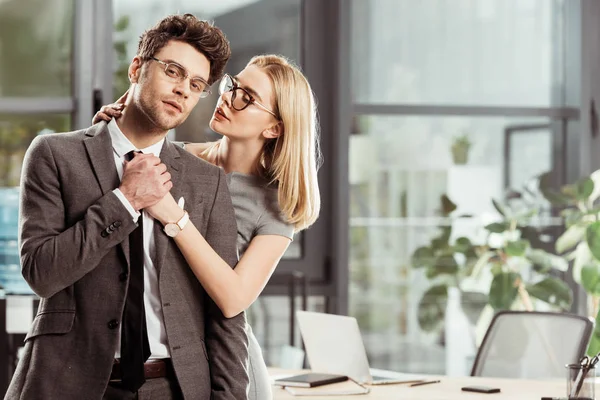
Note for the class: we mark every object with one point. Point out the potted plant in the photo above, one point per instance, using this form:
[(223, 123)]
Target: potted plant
[(446, 264), (580, 242), (523, 271), (460, 149)]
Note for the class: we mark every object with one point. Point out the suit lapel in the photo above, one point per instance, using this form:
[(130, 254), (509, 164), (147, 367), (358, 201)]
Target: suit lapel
[(169, 155), (100, 151)]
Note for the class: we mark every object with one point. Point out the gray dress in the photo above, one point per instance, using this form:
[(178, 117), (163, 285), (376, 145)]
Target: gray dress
[(257, 212)]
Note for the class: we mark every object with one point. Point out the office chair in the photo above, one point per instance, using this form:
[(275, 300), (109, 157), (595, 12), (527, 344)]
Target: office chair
[(532, 344)]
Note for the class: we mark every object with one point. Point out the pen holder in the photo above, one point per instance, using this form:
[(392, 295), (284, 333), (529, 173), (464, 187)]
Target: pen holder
[(580, 382)]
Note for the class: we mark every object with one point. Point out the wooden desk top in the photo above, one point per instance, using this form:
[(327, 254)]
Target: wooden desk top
[(448, 389)]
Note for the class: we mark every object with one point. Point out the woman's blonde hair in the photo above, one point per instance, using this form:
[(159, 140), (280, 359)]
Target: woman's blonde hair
[(291, 160)]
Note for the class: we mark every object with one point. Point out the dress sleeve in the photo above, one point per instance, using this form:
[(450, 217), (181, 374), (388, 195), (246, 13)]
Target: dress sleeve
[(272, 221)]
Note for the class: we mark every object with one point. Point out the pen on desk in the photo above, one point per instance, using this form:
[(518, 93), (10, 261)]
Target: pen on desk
[(424, 383)]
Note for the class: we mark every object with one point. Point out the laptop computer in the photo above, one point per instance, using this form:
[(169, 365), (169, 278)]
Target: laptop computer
[(334, 345)]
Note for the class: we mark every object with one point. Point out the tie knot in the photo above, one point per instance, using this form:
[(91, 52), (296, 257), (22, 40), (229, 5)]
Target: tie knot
[(129, 156)]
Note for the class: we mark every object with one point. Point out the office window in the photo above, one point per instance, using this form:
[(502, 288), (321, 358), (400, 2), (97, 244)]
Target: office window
[(35, 48), (16, 133), (463, 99), (481, 52)]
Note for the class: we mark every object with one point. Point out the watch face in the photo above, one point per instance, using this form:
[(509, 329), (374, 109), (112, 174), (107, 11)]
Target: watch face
[(171, 230)]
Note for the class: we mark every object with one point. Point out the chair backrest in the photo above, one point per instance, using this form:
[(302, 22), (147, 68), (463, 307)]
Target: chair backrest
[(532, 345)]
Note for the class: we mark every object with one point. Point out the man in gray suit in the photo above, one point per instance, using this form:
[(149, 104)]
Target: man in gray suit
[(121, 314)]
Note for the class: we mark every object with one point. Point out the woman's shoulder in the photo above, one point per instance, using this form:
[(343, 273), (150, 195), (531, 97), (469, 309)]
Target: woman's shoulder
[(196, 148), (251, 192)]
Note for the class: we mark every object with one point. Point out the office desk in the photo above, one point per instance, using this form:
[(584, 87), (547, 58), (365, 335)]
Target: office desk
[(447, 389)]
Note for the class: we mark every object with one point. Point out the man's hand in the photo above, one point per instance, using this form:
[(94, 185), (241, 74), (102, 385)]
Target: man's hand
[(145, 181)]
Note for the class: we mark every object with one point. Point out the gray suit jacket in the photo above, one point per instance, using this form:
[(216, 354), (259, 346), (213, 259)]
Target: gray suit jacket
[(74, 249)]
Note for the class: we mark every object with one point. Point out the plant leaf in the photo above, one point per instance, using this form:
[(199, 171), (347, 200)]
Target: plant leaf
[(443, 240), (547, 260), (447, 205), (595, 177), (516, 248), (590, 278), (552, 291), (584, 188), (594, 346), (122, 23), (583, 256), (497, 227), (570, 238), (462, 245), (443, 264), (499, 207), (432, 308), (422, 257), (592, 236), (503, 290)]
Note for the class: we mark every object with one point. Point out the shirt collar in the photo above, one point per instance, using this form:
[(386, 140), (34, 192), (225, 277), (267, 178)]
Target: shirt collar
[(121, 145)]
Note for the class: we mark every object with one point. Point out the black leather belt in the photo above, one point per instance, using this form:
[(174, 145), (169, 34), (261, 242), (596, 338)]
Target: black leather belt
[(155, 368)]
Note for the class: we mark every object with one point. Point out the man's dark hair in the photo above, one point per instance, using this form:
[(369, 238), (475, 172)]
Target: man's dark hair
[(202, 35)]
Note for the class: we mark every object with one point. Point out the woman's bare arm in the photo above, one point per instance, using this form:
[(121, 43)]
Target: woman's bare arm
[(233, 290)]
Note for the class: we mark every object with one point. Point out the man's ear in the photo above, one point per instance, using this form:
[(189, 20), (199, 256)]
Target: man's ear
[(135, 69), (274, 131)]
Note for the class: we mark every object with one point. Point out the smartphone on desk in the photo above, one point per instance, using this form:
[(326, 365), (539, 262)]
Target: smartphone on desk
[(481, 389)]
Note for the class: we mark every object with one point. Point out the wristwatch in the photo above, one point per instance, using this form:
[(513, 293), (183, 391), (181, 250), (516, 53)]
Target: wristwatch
[(172, 229)]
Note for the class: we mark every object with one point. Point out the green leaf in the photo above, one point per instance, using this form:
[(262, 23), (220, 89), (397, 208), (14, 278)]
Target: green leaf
[(443, 240), (497, 227), (122, 23), (590, 278), (499, 207), (569, 190), (447, 205), (442, 265), (592, 236), (432, 308), (582, 257), (545, 180), (552, 291), (570, 238), (584, 188), (594, 346), (547, 260), (503, 290), (555, 198), (422, 257), (516, 248), (595, 177), (462, 245)]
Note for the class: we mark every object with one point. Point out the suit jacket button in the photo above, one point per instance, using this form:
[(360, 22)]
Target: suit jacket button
[(117, 224), (123, 276), (104, 233), (113, 323)]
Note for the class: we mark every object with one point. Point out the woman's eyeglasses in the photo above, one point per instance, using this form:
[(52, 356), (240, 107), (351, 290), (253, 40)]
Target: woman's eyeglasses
[(240, 98)]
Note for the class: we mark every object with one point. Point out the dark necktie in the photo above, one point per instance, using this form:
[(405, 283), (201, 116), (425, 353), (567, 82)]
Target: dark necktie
[(135, 348)]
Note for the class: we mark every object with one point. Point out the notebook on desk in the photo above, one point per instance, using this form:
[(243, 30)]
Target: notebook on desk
[(334, 345), (346, 388)]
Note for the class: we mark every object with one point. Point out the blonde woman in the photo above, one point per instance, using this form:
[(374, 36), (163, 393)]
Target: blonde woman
[(269, 151)]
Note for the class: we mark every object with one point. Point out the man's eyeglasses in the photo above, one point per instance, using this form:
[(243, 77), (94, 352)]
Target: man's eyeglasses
[(240, 98), (177, 73)]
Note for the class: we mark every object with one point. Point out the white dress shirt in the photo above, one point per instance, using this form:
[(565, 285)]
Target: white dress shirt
[(157, 335)]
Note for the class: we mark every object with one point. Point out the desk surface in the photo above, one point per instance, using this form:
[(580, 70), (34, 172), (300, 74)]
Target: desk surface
[(448, 389)]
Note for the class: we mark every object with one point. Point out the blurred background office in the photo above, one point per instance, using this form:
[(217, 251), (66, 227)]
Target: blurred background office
[(429, 111)]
